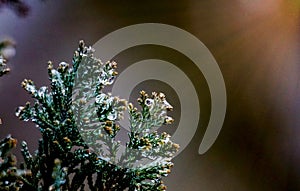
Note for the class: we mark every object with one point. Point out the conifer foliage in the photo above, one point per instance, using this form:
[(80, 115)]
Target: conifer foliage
[(78, 122)]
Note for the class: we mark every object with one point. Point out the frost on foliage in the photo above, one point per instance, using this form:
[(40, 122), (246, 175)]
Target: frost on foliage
[(3, 68), (11, 178), (98, 120), (147, 148), (7, 50), (78, 122)]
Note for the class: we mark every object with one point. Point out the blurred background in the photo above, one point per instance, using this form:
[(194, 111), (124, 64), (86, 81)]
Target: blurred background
[(255, 43)]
